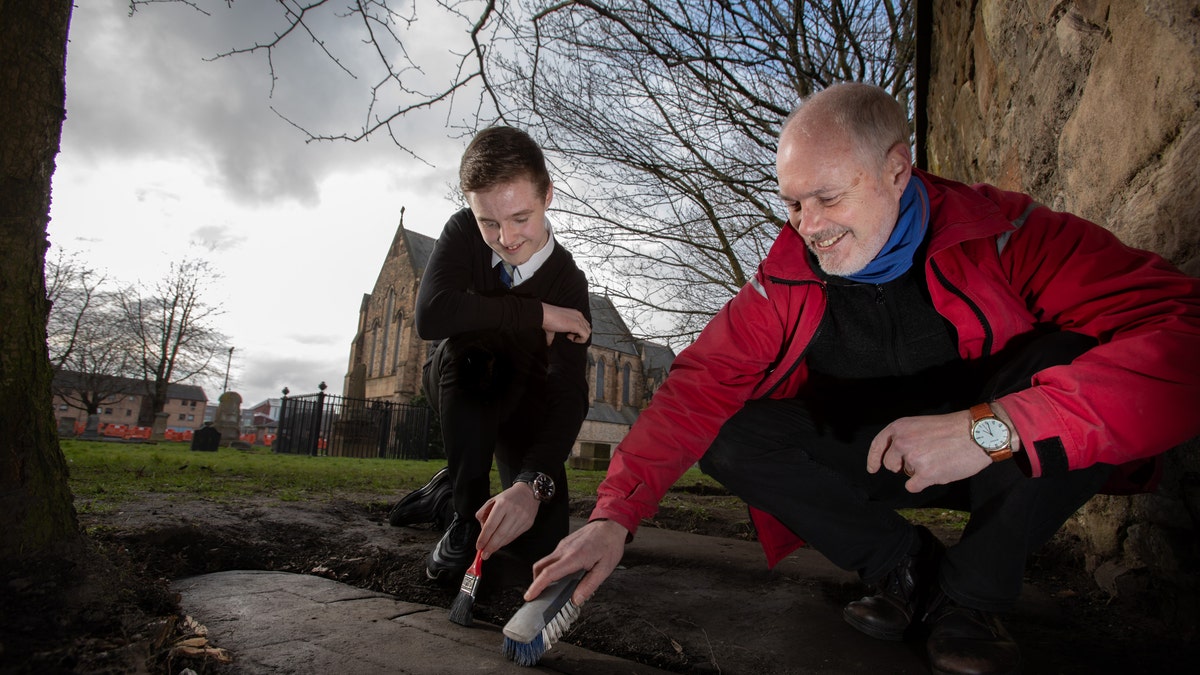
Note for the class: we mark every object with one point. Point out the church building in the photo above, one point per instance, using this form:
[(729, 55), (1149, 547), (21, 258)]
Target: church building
[(623, 372)]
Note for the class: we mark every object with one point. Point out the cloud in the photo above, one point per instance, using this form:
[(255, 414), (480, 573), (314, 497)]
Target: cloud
[(266, 377), (147, 194), (213, 238), (148, 85), (320, 340), (166, 154)]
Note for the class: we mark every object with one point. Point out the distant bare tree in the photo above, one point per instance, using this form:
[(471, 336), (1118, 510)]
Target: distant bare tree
[(72, 290), (171, 329), (91, 390), (89, 343), (661, 116)]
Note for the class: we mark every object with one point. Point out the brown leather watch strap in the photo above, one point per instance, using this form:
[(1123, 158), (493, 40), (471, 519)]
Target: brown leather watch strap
[(982, 411)]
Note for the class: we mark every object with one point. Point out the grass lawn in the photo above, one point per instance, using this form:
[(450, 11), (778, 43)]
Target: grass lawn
[(105, 474)]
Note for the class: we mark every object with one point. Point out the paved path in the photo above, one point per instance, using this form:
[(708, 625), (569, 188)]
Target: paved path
[(276, 622)]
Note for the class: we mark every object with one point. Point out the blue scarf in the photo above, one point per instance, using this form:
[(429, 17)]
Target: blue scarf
[(896, 257)]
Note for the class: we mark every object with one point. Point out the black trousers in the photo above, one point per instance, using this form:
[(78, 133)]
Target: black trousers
[(778, 457), (490, 398)]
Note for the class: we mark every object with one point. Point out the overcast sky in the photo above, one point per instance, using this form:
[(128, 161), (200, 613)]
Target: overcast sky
[(167, 156)]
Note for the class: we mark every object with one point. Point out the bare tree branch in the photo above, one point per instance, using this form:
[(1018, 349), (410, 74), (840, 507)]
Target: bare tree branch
[(661, 117), (172, 332), (71, 289), (88, 346)]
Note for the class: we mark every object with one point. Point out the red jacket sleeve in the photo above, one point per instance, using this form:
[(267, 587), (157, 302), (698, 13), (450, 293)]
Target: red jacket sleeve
[(1136, 394), (709, 382)]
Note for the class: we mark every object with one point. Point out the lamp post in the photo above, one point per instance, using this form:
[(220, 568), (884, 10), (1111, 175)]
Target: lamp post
[(228, 362)]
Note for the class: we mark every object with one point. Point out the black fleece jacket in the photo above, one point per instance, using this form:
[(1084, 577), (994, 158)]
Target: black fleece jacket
[(461, 292)]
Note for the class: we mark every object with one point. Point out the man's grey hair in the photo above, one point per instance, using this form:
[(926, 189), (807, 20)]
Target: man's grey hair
[(870, 116)]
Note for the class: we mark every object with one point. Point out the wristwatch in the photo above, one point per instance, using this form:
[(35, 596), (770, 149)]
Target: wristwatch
[(990, 433), (541, 484)]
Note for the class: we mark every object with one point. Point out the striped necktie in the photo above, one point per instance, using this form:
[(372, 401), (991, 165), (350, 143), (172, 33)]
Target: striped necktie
[(506, 274)]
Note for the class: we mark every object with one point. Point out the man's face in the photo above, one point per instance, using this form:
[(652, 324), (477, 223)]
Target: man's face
[(512, 218), (843, 207)]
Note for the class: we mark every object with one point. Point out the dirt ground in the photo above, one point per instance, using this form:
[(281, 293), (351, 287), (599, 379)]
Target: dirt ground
[(113, 613)]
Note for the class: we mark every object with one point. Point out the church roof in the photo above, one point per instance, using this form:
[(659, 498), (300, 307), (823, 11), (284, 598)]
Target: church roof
[(420, 247), (608, 329), (655, 356), (605, 412)]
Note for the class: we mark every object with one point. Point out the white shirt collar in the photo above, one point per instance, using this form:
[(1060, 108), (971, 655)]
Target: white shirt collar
[(527, 269)]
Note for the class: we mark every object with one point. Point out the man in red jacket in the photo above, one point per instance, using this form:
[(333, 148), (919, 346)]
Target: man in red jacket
[(910, 341)]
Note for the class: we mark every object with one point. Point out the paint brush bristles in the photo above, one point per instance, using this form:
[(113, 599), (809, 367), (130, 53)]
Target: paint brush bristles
[(541, 622), (460, 610)]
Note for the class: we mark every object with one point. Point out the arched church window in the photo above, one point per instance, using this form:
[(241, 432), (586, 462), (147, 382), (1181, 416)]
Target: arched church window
[(399, 339), (371, 352), (387, 325)]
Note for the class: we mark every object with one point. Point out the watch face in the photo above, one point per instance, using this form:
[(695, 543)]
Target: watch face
[(543, 487), (990, 433)]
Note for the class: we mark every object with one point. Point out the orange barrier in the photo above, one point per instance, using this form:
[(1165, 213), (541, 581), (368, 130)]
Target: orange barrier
[(268, 439), (172, 435), (142, 433), (114, 430), (127, 433)]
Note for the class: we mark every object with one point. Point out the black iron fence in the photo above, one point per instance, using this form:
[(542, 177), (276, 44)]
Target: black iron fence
[(336, 426)]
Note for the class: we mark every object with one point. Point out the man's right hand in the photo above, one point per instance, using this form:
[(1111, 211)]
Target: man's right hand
[(596, 547), (570, 322)]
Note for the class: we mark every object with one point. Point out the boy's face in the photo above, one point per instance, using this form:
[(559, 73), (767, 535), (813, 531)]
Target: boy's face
[(512, 218)]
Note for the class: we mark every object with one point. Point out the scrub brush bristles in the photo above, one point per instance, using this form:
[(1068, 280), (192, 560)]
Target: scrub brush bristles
[(541, 622)]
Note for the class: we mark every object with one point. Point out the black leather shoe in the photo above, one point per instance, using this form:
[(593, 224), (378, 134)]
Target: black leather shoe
[(899, 594), (455, 551), (965, 641), (426, 504)]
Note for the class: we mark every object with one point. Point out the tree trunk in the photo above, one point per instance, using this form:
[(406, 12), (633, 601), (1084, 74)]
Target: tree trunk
[(160, 398), (36, 510)]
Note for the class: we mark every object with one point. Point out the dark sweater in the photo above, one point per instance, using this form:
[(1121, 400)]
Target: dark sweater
[(461, 293), (883, 352)]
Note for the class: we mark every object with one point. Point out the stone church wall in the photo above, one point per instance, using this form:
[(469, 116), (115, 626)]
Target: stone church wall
[(388, 344), (614, 379), (1091, 107)]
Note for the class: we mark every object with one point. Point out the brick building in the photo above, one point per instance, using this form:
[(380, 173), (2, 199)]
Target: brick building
[(122, 400), (262, 417)]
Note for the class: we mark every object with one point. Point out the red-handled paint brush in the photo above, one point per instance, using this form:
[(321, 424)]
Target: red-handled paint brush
[(460, 611)]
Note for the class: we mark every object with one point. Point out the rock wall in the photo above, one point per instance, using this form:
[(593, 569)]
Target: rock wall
[(1091, 107)]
